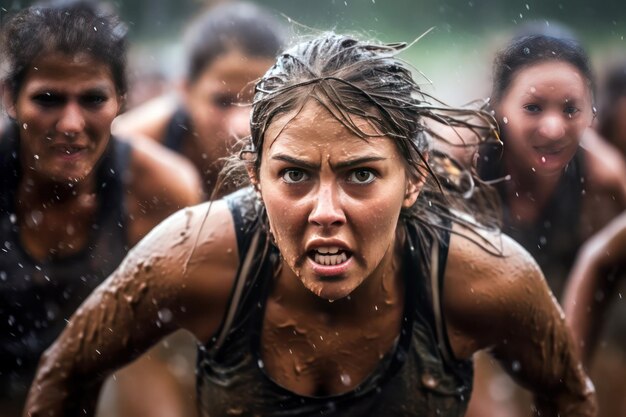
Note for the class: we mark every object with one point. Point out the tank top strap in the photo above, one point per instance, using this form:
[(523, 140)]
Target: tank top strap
[(432, 255), (254, 248)]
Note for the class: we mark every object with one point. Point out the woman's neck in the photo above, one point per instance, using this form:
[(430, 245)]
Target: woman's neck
[(44, 195)]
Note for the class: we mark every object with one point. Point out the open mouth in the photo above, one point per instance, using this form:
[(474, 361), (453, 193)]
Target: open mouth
[(329, 256), (550, 150)]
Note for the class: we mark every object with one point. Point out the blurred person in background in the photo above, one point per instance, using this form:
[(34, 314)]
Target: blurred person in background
[(73, 198), (555, 192), (611, 124), (228, 48), (594, 301)]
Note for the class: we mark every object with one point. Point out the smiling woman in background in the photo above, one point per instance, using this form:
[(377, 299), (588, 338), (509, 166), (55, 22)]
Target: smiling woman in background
[(73, 198)]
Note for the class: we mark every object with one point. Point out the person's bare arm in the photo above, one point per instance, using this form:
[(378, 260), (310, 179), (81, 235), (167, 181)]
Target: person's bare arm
[(502, 303), (148, 120), (153, 292), (602, 254), (159, 182)]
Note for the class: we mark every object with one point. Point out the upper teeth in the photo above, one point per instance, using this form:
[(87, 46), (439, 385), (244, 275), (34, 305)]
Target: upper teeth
[(328, 249)]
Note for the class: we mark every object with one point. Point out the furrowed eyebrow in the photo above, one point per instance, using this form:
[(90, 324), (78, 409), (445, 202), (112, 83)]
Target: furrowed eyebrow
[(358, 161), (295, 161), (338, 166)]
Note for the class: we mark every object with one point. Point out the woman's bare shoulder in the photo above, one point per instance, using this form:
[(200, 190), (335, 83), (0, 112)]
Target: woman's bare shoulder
[(193, 256), (605, 167), (149, 119), (491, 279)]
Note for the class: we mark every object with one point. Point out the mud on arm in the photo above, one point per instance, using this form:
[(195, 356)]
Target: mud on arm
[(503, 304), (147, 298)]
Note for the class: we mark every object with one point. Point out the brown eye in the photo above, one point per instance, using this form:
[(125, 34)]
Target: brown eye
[(361, 176), (294, 176)]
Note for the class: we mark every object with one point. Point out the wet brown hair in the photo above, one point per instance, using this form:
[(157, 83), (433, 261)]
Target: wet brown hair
[(239, 25), (366, 80), (67, 26), (528, 50)]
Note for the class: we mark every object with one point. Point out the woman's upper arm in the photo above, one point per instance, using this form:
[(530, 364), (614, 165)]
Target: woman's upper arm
[(163, 284), (502, 303)]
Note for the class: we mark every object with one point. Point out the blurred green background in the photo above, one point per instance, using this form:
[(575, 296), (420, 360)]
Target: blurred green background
[(456, 56)]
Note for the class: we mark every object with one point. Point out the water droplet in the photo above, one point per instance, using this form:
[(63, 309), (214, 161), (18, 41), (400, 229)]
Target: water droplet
[(429, 381), (25, 126), (527, 7), (526, 51), (533, 169), (505, 120), (543, 159), (165, 315), (516, 366), (260, 363), (345, 379)]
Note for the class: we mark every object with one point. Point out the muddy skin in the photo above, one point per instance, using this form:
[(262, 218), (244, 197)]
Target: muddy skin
[(143, 301), (527, 332)]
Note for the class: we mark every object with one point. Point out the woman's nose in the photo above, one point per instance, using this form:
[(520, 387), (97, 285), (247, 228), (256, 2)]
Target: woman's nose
[(552, 127), (72, 120), (327, 210)]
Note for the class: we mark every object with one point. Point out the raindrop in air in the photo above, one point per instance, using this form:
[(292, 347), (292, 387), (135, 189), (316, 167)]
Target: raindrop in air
[(543, 159), (345, 379)]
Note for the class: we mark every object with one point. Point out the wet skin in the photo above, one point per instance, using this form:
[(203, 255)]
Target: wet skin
[(543, 114), (219, 105), (65, 125), (193, 280), (328, 191), (325, 187)]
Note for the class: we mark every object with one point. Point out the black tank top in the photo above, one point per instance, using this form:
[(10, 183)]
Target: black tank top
[(419, 377), (555, 238), (37, 298)]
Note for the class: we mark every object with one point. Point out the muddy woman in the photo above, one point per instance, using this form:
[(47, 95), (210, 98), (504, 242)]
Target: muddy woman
[(351, 278)]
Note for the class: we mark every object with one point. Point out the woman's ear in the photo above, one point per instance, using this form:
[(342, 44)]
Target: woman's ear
[(253, 176), (413, 187)]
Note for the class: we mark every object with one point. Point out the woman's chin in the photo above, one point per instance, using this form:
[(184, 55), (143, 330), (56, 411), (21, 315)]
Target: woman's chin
[(330, 291)]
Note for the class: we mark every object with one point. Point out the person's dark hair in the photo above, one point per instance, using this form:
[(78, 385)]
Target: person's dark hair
[(68, 26), (613, 89), (357, 79), (243, 26), (529, 50)]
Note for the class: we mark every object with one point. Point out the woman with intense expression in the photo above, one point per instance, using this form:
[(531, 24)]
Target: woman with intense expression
[(349, 279)]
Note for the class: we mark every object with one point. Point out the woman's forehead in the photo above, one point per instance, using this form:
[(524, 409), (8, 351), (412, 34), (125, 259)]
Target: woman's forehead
[(327, 142), (314, 123)]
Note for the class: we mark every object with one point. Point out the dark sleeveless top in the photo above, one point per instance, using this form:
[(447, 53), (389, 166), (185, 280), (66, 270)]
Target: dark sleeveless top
[(419, 377), (555, 238), (176, 130), (37, 298)]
